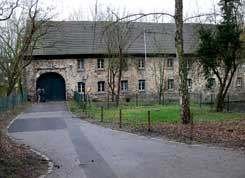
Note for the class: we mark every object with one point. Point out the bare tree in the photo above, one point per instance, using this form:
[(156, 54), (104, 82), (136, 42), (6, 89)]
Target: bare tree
[(118, 39), (7, 8), (159, 77), (159, 65), (76, 15), (113, 62), (19, 37), (179, 44)]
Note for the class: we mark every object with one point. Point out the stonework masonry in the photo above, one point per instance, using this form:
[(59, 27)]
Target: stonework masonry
[(154, 69)]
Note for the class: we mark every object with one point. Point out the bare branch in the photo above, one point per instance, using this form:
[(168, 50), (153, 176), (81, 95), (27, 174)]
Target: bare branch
[(138, 16), (201, 15), (9, 9), (19, 38)]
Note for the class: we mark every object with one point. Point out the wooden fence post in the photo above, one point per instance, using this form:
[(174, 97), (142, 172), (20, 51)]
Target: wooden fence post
[(192, 126), (228, 103), (120, 118), (102, 114), (136, 99), (200, 100), (149, 121)]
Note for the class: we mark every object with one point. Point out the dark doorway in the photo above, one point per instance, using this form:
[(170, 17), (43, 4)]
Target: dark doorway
[(53, 85)]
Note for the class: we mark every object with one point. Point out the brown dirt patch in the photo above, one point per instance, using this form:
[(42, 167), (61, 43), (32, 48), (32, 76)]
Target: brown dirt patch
[(227, 133), (17, 161)]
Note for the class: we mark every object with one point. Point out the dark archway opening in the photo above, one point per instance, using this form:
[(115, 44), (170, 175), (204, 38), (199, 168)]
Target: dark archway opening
[(53, 85)]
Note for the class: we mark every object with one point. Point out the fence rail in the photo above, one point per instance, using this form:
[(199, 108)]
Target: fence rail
[(232, 102), (9, 102)]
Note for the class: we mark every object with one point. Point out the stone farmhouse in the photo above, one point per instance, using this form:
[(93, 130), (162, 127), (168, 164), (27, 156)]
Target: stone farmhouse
[(73, 57)]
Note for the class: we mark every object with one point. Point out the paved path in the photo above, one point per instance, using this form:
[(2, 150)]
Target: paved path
[(83, 150)]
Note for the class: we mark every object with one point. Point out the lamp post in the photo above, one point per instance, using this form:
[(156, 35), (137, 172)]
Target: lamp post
[(84, 79)]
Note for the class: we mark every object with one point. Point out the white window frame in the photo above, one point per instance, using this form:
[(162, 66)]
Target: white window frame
[(141, 85), (81, 87), (189, 64), (80, 63), (239, 82), (141, 63), (100, 63), (124, 85), (101, 86), (189, 83), (170, 84), (170, 62)]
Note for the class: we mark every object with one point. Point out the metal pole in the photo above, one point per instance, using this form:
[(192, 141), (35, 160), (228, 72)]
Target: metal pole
[(120, 118), (149, 121), (102, 114), (145, 45), (228, 102)]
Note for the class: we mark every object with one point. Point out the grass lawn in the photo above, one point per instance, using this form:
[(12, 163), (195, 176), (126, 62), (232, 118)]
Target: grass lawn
[(159, 113), (227, 129)]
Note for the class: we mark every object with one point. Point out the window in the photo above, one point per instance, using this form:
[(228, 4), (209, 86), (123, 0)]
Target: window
[(170, 84), (189, 83), (170, 62), (239, 81), (81, 87), (80, 64), (124, 85), (101, 86), (141, 63), (100, 63), (141, 85), (211, 83), (189, 64)]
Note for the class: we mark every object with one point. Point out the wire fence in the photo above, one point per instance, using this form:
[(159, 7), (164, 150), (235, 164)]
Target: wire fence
[(147, 111), (233, 102), (9, 102), (139, 115)]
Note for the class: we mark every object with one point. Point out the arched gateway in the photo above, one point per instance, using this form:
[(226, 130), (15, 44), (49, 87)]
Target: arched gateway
[(53, 85)]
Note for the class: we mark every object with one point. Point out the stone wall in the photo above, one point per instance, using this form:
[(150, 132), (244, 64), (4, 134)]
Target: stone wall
[(68, 69)]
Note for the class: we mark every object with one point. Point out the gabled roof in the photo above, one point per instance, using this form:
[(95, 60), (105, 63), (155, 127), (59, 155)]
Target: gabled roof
[(86, 38)]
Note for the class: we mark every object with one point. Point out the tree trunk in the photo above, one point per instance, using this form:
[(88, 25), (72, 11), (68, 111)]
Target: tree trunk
[(184, 94), (220, 102), (160, 98), (224, 87), (113, 88), (119, 76), (111, 84)]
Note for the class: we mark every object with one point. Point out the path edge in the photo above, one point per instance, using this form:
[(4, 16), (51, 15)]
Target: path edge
[(45, 157)]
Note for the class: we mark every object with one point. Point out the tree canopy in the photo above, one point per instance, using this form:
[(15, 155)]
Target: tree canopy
[(220, 48)]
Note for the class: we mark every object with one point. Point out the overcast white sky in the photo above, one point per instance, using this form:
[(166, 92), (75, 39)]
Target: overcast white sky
[(65, 7)]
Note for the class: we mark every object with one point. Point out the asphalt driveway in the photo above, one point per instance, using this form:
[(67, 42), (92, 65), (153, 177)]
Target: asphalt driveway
[(83, 150)]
